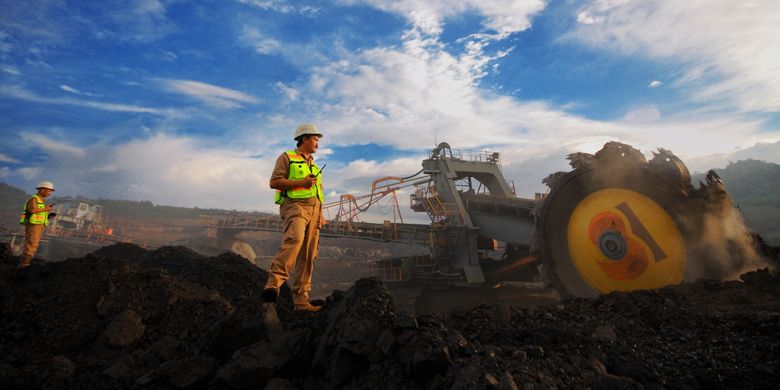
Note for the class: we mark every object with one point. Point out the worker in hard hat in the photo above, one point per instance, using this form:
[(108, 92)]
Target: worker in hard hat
[(35, 217), (298, 183)]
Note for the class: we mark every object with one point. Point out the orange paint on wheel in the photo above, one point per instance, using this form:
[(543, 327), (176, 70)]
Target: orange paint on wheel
[(604, 221), (631, 266), (633, 263)]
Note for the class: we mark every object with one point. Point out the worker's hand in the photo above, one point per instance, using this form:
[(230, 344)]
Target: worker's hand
[(323, 221), (308, 181)]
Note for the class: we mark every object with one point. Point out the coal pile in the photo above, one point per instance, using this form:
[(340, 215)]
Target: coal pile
[(124, 317)]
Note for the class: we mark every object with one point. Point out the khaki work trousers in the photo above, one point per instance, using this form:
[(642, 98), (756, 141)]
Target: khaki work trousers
[(300, 242), (32, 237)]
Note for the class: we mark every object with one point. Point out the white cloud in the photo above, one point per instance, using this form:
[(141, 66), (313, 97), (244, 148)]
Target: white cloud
[(53, 146), (261, 43), (23, 94), (289, 92), (209, 94), (69, 89), (10, 70), (29, 173), (319, 50), (731, 47), (75, 91), (655, 84), (195, 175), (502, 16), (7, 159), (281, 6), (643, 115), (162, 168)]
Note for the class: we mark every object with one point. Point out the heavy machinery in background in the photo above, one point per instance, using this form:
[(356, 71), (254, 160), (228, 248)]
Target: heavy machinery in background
[(78, 214), (76, 229), (614, 222)]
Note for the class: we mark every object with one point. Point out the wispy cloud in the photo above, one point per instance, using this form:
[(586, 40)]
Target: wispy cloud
[(55, 23), (289, 92), (23, 94), (8, 159), (53, 146), (259, 42), (10, 70), (29, 173), (282, 6), (209, 94), (72, 90), (655, 84), (730, 47)]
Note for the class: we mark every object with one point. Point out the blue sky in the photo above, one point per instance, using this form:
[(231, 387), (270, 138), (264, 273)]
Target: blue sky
[(189, 102)]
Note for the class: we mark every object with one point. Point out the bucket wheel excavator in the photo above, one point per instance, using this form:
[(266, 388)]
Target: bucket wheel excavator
[(615, 222), (620, 222)]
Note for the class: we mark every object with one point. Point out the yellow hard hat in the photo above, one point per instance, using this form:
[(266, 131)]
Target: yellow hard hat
[(306, 128), (45, 184)]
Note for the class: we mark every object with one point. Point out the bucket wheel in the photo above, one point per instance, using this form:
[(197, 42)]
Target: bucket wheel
[(615, 224)]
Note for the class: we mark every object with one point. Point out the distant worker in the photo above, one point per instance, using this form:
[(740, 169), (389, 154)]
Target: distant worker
[(35, 217), (298, 183)]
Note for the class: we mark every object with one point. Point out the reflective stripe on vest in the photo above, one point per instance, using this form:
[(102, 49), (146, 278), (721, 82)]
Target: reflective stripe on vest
[(32, 217), (300, 169)]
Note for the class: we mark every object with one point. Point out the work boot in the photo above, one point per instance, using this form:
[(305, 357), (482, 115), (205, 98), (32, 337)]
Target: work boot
[(24, 262), (270, 294), (306, 306)]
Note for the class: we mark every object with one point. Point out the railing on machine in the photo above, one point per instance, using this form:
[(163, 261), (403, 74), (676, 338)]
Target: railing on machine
[(400, 269), (346, 222)]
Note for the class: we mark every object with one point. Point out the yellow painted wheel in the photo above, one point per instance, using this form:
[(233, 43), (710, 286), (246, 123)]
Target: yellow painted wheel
[(622, 240), (614, 227)]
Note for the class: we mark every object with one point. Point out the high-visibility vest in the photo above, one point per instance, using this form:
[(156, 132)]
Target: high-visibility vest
[(299, 169), (33, 217)]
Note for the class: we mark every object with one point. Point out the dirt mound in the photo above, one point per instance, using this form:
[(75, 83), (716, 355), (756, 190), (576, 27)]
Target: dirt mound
[(121, 251), (124, 317)]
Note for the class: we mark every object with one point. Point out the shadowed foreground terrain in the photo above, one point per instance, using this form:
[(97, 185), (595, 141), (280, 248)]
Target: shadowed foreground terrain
[(124, 317)]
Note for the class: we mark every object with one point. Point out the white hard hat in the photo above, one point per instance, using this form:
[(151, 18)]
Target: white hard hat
[(45, 184), (306, 128)]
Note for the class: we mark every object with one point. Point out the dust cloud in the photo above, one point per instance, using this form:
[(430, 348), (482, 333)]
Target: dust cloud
[(723, 247)]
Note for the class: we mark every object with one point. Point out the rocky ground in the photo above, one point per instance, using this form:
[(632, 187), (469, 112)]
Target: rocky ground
[(124, 317)]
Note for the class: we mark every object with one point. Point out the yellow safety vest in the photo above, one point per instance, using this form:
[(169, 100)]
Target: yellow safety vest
[(299, 169), (33, 217)]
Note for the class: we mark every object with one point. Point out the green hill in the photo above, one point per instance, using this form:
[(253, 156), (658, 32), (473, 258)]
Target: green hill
[(148, 210), (755, 188), (12, 200), (750, 182), (11, 203), (10, 196)]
